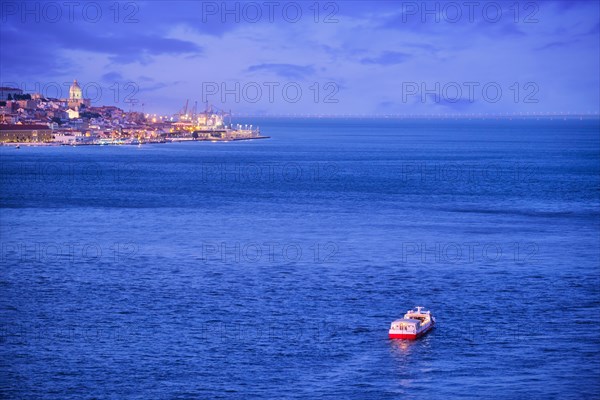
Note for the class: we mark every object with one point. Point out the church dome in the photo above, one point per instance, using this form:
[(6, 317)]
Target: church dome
[(75, 91)]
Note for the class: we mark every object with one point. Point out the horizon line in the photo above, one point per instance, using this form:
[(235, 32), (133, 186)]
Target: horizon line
[(589, 115)]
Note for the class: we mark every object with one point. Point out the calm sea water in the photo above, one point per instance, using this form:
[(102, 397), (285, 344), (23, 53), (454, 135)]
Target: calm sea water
[(273, 268)]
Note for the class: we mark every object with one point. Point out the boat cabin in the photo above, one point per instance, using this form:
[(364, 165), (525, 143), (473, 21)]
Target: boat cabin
[(418, 314), (406, 325)]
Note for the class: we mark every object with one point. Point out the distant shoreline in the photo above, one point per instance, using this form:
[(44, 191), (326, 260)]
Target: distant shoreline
[(181, 140)]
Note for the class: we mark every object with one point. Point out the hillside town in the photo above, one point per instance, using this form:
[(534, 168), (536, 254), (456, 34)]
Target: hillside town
[(32, 119)]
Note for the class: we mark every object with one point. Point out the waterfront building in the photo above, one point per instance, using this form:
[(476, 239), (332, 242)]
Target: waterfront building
[(6, 91), (66, 138), (26, 104), (32, 133), (73, 114), (8, 118), (76, 100)]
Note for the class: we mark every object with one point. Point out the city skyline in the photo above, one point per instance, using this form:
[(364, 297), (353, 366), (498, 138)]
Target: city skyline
[(323, 58)]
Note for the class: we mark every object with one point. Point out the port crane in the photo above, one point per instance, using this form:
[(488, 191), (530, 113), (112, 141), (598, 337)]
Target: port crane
[(183, 112), (191, 114)]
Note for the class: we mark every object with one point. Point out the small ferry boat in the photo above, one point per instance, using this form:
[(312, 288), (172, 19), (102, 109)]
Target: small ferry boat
[(413, 325)]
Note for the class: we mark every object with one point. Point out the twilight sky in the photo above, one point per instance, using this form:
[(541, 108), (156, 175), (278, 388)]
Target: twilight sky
[(291, 57)]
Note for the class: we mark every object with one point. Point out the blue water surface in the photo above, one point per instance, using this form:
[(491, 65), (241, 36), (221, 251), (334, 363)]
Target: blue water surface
[(273, 268)]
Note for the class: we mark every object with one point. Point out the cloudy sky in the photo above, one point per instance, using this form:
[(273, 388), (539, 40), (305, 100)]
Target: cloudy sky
[(279, 57)]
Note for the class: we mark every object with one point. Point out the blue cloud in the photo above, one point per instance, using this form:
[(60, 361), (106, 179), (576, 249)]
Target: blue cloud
[(289, 71), (557, 44), (124, 43), (133, 48), (387, 58), (458, 105), (112, 76)]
